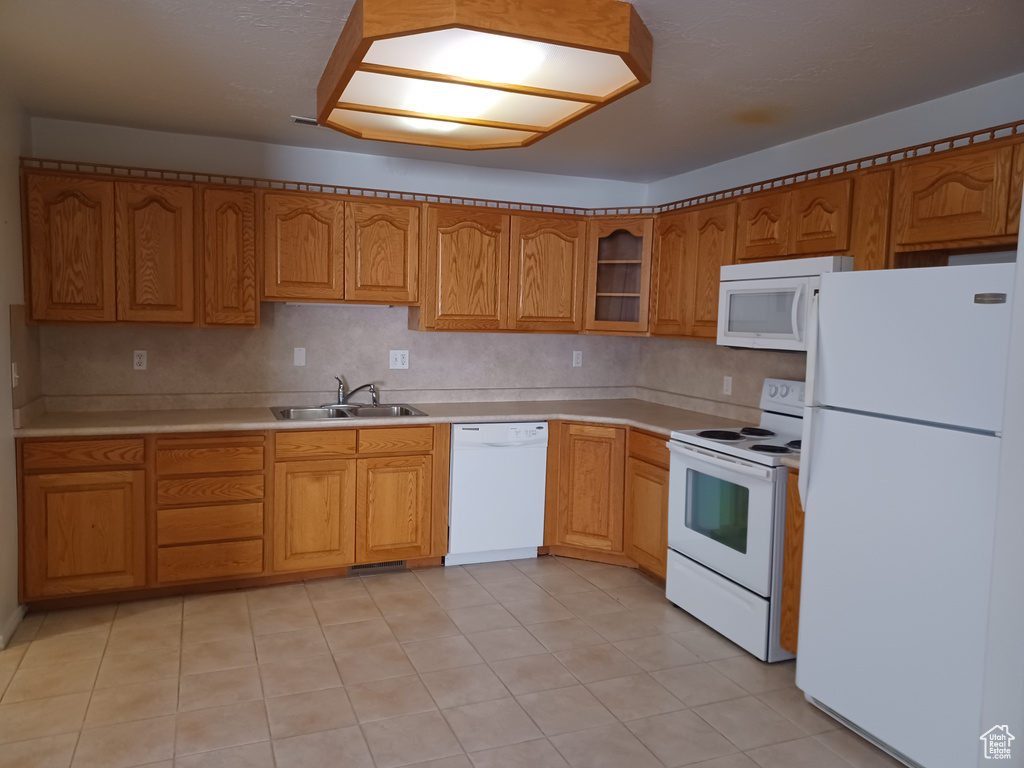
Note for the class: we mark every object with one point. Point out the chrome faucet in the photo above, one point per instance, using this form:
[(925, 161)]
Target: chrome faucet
[(344, 395)]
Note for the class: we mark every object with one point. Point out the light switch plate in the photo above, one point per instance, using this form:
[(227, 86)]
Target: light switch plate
[(727, 385), (399, 359), (300, 356)]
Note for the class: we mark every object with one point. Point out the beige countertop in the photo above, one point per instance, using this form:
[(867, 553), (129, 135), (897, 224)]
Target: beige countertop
[(635, 413)]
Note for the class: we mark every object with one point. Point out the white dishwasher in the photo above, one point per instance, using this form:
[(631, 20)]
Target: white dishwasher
[(496, 502)]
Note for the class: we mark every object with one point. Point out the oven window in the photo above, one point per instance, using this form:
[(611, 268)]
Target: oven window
[(717, 509), (761, 311)]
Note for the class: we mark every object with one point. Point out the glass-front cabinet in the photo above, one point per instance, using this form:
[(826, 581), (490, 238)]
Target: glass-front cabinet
[(618, 274)]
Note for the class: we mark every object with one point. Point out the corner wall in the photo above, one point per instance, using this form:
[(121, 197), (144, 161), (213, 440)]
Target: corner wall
[(13, 143)]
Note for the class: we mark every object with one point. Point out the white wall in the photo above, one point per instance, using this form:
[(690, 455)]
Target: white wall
[(110, 145), (977, 108), (13, 142)]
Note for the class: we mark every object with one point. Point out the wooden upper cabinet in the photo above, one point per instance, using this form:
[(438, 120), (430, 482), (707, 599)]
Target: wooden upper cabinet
[(83, 532), (155, 252), (590, 493), (546, 273), (70, 222), (229, 257), (955, 195), (382, 254), (466, 276), (689, 251), (1016, 190), (303, 247), (618, 274), (313, 522), (871, 216), (821, 217), (393, 509), (764, 226)]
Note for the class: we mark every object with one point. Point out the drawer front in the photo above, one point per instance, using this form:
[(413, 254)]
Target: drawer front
[(396, 440), (208, 456), (208, 490), (315, 444), (192, 525), (209, 561), (649, 447), (68, 454)]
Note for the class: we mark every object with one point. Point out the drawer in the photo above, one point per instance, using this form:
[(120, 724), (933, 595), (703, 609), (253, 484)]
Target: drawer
[(208, 490), (209, 561), (69, 454), (315, 444), (396, 440), (191, 456), (192, 525), (649, 447)]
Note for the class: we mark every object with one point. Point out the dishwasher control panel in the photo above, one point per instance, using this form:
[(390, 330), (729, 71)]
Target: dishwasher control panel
[(519, 432)]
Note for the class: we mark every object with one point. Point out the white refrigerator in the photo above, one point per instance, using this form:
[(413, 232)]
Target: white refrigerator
[(899, 470)]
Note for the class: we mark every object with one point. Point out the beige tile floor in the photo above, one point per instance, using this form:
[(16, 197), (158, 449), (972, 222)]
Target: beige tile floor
[(535, 664)]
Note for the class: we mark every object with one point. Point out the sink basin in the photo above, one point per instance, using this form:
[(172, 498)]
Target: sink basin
[(311, 414), (322, 412)]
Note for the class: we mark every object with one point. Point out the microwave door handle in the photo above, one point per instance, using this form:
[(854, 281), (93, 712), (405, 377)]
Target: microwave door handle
[(795, 317)]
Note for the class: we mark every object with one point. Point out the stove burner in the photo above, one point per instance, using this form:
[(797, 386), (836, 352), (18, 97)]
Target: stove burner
[(770, 448), (793, 445), (723, 435), (756, 432)]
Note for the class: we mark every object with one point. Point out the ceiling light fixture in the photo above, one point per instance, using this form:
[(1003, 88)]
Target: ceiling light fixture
[(479, 74)]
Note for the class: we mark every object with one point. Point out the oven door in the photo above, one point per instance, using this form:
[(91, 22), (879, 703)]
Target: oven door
[(720, 513), (766, 314)]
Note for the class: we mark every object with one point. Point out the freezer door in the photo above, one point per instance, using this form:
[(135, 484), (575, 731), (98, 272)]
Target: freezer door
[(894, 598), (924, 344)]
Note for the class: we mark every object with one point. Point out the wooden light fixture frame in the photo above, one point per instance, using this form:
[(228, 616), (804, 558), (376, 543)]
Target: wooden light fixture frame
[(605, 26)]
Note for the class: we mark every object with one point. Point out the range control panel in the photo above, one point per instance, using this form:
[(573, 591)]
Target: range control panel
[(783, 396)]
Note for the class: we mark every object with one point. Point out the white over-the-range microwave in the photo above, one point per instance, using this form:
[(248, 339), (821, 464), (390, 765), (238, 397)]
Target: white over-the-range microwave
[(767, 305)]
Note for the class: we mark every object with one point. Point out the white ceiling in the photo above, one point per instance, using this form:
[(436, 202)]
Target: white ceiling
[(730, 76)]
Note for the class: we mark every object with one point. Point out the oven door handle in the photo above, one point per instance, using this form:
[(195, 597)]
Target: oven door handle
[(718, 459)]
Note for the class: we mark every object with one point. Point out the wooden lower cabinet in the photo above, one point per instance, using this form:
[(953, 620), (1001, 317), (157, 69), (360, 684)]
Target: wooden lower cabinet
[(393, 506), (313, 522), (792, 566), (83, 532), (647, 502), (590, 487)]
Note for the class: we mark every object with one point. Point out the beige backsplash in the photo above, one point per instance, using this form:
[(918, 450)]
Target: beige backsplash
[(89, 367)]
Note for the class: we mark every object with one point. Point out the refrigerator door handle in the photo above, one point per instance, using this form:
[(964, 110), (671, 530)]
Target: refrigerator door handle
[(803, 479)]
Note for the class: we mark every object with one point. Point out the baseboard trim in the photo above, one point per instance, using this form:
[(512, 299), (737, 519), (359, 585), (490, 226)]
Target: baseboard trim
[(10, 625)]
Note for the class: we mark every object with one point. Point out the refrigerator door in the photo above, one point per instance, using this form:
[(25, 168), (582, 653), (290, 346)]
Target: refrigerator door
[(894, 597), (924, 344)]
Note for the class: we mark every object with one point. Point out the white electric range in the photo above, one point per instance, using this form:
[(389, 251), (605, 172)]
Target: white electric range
[(726, 521)]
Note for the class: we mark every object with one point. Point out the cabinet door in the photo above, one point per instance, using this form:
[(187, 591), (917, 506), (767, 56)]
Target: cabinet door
[(314, 514), (155, 252), (1016, 191), (591, 487), (546, 273), (467, 269), (84, 532), (618, 274), (647, 506), (764, 226), (821, 217), (393, 509), (673, 275), (70, 248), (953, 196), (792, 566), (382, 256), (715, 231), (229, 257), (303, 247)]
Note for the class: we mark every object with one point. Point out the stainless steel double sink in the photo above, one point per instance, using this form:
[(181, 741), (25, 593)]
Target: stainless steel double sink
[(322, 412)]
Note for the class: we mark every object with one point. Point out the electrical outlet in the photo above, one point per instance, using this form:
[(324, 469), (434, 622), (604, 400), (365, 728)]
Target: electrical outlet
[(139, 360), (14, 375), (577, 359), (299, 356), (727, 385), (399, 358)]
